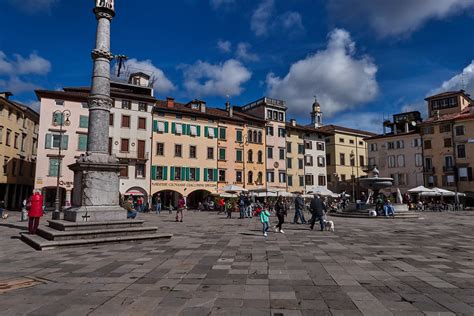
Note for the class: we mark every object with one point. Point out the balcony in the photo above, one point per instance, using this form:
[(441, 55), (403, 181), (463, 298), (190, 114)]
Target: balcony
[(448, 169), (131, 155), (429, 169)]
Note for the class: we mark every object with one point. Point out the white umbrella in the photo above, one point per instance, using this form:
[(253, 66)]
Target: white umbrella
[(227, 195), (444, 192), (233, 189), (285, 194), (420, 189)]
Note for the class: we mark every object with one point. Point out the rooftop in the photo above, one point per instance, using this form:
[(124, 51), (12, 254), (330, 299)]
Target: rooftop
[(449, 93), (336, 128)]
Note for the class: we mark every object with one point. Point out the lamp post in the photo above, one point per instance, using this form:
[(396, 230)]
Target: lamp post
[(352, 156), (61, 119)]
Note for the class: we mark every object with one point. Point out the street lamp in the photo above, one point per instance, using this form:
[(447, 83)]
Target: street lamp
[(352, 156), (61, 119)]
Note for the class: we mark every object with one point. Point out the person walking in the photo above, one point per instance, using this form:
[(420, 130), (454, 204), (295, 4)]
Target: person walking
[(2, 209), (299, 207), (35, 212), (181, 207), (242, 205), (280, 213), (265, 219), (318, 209), (230, 208), (158, 205)]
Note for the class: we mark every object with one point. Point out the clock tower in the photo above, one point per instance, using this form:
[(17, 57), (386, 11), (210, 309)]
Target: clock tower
[(316, 114)]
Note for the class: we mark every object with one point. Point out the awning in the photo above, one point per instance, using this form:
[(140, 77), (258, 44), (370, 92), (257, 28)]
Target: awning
[(134, 193)]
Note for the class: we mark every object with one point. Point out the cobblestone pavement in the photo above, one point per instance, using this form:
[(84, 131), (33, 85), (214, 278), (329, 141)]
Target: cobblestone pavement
[(215, 266)]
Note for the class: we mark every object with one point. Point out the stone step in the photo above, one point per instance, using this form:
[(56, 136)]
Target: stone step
[(39, 243), (76, 226), (397, 216), (49, 233)]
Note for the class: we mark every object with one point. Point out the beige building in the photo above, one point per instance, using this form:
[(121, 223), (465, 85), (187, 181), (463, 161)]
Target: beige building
[(18, 144), (398, 154)]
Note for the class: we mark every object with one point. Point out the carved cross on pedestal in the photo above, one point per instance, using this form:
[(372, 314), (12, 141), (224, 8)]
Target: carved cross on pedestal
[(85, 217)]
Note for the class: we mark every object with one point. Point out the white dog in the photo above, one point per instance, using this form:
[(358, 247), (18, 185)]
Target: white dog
[(329, 225)]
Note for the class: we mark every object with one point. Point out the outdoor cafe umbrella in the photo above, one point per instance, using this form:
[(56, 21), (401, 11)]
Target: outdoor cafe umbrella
[(421, 189), (233, 189)]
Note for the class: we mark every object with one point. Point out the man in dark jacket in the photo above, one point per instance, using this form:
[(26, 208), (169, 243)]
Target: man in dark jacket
[(299, 207), (318, 209)]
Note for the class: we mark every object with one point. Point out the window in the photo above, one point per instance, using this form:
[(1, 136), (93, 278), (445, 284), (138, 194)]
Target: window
[(428, 130), (342, 159), (124, 172), (343, 177), (260, 157), (428, 163), (178, 150), (351, 141), (371, 162), (290, 180), (401, 161), (238, 136), (142, 123), (82, 142), (465, 174), (193, 130), (322, 180), (289, 163), (192, 151), (308, 161), (270, 152), (8, 140), (259, 140), (275, 115), (250, 156), (427, 144), (270, 176), (193, 174), (210, 153), (300, 149), (177, 173), (282, 153), (124, 145), (459, 130), (222, 154), (288, 147), (270, 130), (53, 167), (373, 147), (221, 175), (222, 133), (391, 162), (300, 164), (160, 149), (250, 177), (238, 176), (361, 161), (54, 141), (59, 102), (160, 173), (259, 178), (15, 140), (1, 134), (445, 128), (281, 117), (23, 141), (341, 140), (447, 142), (320, 146), (281, 132), (309, 179), (448, 162), (255, 137), (308, 145), (321, 161), (111, 119), (282, 177), (5, 165), (461, 150), (418, 160), (140, 171), (238, 155), (126, 121), (301, 181), (250, 137), (416, 142), (361, 143), (142, 107), (127, 105), (83, 121), (209, 175)]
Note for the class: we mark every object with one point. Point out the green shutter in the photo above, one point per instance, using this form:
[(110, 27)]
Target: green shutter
[(165, 173), (198, 131), (47, 141), (58, 119), (173, 128), (167, 127), (64, 142), (155, 126), (187, 174), (153, 172), (215, 175), (172, 173), (222, 154), (239, 136), (53, 167), (205, 175), (183, 129), (183, 173), (206, 131), (82, 143), (198, 176), (239, 155), (222, 133), (83, 121), (216, 132)]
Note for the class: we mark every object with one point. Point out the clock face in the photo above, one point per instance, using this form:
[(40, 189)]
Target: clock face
[(109, 4)]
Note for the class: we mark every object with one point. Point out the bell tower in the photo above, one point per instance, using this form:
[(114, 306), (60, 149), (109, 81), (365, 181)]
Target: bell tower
[(316, 114)]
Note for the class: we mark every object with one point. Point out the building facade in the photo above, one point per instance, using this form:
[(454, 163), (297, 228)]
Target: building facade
[(18, 145), (130, 137), (398, 154)]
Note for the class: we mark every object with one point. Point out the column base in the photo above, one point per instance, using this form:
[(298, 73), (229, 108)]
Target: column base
[(95, 214)]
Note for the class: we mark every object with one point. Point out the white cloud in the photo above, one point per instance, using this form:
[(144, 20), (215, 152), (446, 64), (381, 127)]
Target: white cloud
[(338, 78), (216, 4), (242, 52), (261, 17), (33, 6), (6, 66), (33, 104), (463, 80), (205, 79), (292, 21), (33, 64), (16, 85), (224, 46), (162, 83), (366, 121), (389, 17)]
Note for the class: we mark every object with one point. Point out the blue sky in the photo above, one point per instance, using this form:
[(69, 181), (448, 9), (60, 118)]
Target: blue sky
[(362, 59)]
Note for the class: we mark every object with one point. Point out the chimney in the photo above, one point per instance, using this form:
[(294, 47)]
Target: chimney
[(407, 127), (6, 95), (203, 107), (293, 122), (169, 102)]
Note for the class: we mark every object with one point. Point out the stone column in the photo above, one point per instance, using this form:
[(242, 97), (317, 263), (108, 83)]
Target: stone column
[(96, 173)]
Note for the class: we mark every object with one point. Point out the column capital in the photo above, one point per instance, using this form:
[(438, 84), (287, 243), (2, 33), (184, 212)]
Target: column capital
[(101, 53), (102, 13), (99, 103)]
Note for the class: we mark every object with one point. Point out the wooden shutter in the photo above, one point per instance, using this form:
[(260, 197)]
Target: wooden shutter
[(110, 145), (198, 176), (206, 131), (215, 175), (205, 175), (172, 173), (173, 128), (166, 127), (141, 149), (469, 173), (165, 173), (47, 141), (153, 172), (198, 131), (183, 173), (187, 174), (155, 126), (64, 142)]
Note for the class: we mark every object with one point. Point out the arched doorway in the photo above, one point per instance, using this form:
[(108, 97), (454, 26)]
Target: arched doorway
[(49, 197), (197, 196), (169, 198)]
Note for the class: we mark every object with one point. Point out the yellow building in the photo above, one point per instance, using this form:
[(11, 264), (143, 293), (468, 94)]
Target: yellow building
[(346, 158), (18, 144), (464, 146)]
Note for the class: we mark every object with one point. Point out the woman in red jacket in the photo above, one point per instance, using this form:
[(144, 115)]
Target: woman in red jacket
[(35, 212)]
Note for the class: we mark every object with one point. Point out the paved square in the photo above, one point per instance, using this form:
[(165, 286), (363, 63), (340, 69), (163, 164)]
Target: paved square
[(215, 266)]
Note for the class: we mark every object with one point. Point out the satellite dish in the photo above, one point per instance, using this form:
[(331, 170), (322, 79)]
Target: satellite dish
[(413, 123)]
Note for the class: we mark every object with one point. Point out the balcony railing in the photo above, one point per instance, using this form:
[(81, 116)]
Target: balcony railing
[(429, 169), (131, 155), (448, 168)]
